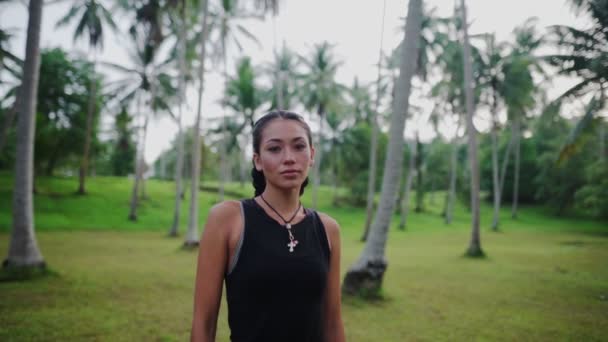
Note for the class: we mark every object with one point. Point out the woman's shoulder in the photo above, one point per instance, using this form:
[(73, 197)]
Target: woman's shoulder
[(332, 228), (331, 225), (225, 216)]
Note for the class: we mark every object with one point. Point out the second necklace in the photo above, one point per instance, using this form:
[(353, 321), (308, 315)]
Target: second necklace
[(292, 241)]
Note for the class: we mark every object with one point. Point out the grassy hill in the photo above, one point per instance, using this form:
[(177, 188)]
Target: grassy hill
[(544, 278)]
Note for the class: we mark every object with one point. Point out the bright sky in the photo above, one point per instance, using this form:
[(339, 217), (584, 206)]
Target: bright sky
[(354, 26)]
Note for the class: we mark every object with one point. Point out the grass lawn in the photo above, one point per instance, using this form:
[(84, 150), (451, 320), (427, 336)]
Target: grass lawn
[(545, 278)]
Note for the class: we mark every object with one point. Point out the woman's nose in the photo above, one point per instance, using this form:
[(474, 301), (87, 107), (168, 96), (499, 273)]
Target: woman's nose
[(289, 155)]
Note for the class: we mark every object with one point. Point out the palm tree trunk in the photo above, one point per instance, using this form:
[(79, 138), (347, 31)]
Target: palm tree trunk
[(9, 119), (366, 274), (517, 132), (602, 137), (138, 167), (179, 163), (319, 157), (371, 179), (451, 197), (503, 168), (405, 199), (495, 178), (84, 163), (224, 168), (179, 170), (475, 243), (23, 248), (192, 233), (142, 163), (419, 179), (373, 151)]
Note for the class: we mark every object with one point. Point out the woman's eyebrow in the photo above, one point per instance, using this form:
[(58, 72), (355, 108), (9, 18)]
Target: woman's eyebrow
[(272, 140)]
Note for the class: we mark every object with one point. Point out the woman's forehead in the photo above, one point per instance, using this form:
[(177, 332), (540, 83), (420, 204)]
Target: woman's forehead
[(284, 130)]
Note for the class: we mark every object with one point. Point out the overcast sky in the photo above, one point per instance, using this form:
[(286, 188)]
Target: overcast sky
[(354, 26)]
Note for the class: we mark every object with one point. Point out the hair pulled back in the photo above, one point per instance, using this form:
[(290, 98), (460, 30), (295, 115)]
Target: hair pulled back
[(258, 179)]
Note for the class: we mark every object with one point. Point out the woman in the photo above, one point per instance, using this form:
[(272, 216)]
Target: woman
[(280, 261)]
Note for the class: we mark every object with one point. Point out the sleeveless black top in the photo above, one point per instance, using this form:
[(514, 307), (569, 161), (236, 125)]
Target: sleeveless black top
[(274, 294)]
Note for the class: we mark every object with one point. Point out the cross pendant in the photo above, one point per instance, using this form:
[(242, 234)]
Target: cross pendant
[(292, 244)]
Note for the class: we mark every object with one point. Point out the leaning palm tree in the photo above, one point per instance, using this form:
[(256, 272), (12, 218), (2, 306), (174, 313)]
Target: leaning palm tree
[(318, 89), (474, 249), (92, 16), (366, 274), (23, 248)]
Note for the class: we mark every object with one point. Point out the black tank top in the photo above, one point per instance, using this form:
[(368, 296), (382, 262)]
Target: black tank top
[(274, 294)]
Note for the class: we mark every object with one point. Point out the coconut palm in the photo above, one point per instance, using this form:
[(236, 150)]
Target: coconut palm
[(318, 89), (519, 89), (282, 73), (144, 82), (583, 53), (191, 238), (92, 17), (366, 274), (474, 249), (244, 97), (373, 149), (227, 23), (492, 69), (23, 248), (180, 24)]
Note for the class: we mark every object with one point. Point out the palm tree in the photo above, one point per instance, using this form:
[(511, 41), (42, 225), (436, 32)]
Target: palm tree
[(92, 17), (23, 248), (494, 78), (519, 89), (227, 23), (181, 47), (581, 53), (244, 97), (449, 91), (192, 237), (282, 73), (144, 81), (318, 90), (373, 149), (474, 249), (366, 274)]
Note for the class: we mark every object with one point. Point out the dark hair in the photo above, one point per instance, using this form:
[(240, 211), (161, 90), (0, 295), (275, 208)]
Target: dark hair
[(258, 179)]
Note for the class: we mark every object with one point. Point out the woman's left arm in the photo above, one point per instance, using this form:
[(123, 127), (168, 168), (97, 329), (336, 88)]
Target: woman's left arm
[(334, 328)]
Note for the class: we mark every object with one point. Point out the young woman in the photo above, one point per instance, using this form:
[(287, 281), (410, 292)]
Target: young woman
[(280, 261)]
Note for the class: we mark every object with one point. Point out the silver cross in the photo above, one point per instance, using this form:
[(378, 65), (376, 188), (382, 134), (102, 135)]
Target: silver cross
[(292, 244)]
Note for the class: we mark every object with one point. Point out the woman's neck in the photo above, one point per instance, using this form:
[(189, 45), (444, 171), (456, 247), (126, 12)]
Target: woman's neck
[(283, 201)]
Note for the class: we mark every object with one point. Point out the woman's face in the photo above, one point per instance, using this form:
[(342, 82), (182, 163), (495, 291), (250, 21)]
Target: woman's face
[(285, 154)]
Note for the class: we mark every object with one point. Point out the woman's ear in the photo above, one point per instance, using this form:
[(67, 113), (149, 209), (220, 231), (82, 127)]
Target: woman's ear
[(256, 162), (312, 156)]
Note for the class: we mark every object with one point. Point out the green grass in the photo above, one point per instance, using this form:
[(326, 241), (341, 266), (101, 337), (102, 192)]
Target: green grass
[(544, 278)]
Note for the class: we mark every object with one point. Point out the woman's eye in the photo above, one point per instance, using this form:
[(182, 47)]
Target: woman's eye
[(274, 149), (300, 147)]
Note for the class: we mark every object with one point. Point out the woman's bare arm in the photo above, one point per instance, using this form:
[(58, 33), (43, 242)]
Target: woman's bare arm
[(212, 260), (334, 328)]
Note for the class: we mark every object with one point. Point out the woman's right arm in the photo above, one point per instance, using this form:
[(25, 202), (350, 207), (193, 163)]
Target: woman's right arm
[(212, 260)]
